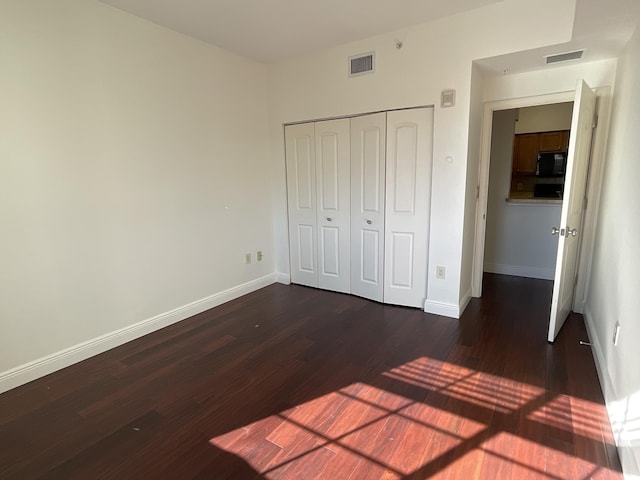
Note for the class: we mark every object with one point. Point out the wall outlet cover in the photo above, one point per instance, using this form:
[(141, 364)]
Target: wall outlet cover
[(616, 334), (448, 98)]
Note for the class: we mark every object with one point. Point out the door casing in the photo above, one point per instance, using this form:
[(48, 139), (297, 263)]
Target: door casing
[(594, 185)]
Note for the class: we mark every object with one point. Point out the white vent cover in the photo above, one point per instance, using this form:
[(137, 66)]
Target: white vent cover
[(563, 57), (361, 64)]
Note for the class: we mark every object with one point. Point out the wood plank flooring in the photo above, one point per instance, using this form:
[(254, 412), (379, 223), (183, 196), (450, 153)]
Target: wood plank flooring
[(291, 382)]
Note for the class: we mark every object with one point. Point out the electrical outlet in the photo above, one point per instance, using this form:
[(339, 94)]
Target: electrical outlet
[(441, 272), (259, 255), (247, 258), (616, 334)]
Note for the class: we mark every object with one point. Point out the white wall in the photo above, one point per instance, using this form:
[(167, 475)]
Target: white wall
[(550, 80), (476, 110), (544, 118), (435, 56), (132, 173), (518, 237), (613, 294)]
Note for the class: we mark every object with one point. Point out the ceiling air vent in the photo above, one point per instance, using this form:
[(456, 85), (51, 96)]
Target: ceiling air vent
[(563, 57), (361, 64)]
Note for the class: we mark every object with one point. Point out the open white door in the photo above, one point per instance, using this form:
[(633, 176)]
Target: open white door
[(571, 217)]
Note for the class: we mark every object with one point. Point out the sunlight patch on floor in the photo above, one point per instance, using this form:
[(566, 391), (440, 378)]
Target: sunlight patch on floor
[(430, 418)]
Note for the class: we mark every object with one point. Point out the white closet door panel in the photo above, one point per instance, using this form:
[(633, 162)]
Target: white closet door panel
[(369, 248), (328, 179), (404, 169), (301, 196), (408, 195), (402, 257), (368, 147), (304, 174), (333, 215), (306, 253), (371, 169), (330, 256)]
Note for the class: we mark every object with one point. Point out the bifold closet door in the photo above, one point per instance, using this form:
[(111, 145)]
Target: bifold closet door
[(368, 140), (301, 196), (333, 204), (407, 205)]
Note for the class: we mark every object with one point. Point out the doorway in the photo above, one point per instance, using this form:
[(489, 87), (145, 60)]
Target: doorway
[(524, 201), (592, 192)]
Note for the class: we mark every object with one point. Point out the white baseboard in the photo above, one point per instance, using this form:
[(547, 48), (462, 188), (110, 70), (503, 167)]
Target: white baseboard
[(520, 271), (629, 460), (283, 278), (440, 308), (43, 366), (464, 301), (450, 310)]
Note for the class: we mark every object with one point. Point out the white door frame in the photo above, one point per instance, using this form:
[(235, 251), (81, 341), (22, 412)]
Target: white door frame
[(593, 187)]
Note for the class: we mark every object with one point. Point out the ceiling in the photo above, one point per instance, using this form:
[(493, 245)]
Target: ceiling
[(274, 30)]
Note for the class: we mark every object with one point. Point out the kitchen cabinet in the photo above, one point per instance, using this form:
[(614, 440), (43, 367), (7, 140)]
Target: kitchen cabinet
[(554, 141), (526, 147), (525, 153)]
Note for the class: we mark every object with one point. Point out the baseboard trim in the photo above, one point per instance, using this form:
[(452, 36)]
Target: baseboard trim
[(520, 271), (606, 384), (283, 278), (43, 366), (629, 460), (443, 309), (464, 302)]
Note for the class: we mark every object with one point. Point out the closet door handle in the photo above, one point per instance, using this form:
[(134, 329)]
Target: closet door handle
[(369, 222), (329, 219)]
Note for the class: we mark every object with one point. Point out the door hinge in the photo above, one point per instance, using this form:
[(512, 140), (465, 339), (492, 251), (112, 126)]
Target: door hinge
[(586, 202), (595, 121), (477, 191)]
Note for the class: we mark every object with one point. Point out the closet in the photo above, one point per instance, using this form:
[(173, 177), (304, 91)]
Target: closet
[(358, 194)]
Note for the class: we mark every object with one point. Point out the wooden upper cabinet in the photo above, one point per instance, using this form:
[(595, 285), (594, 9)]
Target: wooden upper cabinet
[(525, 153), (554, 141), (526, 147)]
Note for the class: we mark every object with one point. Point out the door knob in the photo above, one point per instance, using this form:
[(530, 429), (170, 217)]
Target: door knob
[(571, 232), (329, 219), (554, 230), (368, 222)]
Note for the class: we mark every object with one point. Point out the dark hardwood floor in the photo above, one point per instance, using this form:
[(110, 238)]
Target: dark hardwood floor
[(297, 383)]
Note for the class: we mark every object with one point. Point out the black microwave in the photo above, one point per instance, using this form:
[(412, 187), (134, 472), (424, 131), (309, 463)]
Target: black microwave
[(551, 164)]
